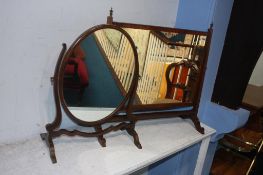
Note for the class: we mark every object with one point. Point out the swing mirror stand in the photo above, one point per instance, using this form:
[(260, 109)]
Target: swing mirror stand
[(121, 73)]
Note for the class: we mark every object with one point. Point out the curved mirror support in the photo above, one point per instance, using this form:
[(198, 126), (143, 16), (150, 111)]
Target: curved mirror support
[(98, 74)]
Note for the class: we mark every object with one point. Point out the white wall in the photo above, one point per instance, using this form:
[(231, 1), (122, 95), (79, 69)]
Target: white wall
[(31, 35), (257, 75)]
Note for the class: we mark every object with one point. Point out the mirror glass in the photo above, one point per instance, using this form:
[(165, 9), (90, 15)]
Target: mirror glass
[(98, 74), (156, 51)]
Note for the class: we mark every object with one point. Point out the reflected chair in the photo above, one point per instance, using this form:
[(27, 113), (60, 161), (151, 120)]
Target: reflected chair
[(180, 78), (76, 73)]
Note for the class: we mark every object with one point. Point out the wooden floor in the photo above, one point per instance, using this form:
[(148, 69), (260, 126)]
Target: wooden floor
[(243, 137), (228, 163)]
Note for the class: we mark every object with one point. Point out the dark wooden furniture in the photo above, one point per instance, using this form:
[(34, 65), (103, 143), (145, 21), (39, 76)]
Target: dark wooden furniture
[(116, 51)]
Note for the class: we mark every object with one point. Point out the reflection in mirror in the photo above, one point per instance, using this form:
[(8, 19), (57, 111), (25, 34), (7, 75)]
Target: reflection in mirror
[(156, 51), (98, 74)]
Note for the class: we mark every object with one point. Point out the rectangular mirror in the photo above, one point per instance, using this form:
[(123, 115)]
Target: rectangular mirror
[(170, 65)]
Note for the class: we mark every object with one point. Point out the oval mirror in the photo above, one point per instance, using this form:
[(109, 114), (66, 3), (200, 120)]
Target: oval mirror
[(98, 73)]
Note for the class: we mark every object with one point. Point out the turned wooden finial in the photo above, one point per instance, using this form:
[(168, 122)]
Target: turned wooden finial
[(110, 18), (111, 12)]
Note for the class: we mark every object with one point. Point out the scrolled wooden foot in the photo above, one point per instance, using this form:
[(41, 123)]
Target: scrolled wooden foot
[(101, 139), (135, 136), (196, 122), (131, 130), (50, 145)]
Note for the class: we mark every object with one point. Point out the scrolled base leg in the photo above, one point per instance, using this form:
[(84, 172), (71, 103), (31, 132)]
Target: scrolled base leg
[(130, 128), (196, 122), (46, 137), (101, 139), (135, 136)]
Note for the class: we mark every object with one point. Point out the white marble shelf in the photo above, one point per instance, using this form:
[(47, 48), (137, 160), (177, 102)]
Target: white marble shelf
[(77, 155)]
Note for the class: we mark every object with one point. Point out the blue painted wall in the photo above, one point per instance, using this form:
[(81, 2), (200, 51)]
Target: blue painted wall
[(195, 14)]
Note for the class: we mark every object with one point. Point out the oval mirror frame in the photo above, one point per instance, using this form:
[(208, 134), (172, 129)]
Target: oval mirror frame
[(125, 104)]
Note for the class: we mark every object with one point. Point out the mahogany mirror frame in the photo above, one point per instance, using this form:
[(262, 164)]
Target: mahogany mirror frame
[(129, 95)]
